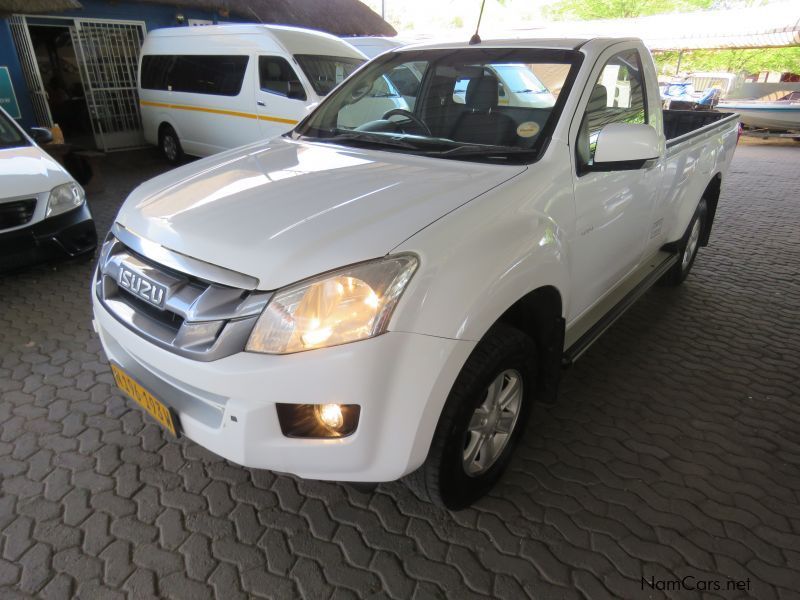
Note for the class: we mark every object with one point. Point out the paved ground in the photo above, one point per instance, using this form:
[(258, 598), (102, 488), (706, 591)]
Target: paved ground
[(675, 451)]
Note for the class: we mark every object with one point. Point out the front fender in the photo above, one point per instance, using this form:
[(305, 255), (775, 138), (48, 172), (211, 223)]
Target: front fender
[(479, 260)]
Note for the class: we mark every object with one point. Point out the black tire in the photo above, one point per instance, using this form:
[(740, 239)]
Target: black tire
[(443, 478), (689, 245), (170, 144)]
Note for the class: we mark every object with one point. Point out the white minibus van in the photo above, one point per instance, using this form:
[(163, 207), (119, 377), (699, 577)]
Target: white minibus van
[(206, 89)]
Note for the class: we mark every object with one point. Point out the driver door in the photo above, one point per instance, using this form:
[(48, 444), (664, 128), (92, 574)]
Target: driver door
[(281, 98), (613, 208)]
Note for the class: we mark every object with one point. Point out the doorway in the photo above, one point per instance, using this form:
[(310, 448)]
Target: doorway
[(58, 66), (81, 74)]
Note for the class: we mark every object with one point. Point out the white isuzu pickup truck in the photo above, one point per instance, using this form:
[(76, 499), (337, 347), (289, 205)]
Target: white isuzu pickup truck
[(361, 303)]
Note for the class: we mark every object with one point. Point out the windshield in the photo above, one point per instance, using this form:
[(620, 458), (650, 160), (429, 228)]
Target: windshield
[(468, 103), (326, 72), (10, 136)]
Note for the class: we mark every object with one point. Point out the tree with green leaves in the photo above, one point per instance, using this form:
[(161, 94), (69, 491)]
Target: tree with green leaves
[(740, 60), (620, 9), (745, 60)]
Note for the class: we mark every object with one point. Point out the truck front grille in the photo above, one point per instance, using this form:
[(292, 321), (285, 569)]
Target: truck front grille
[(195, 318)]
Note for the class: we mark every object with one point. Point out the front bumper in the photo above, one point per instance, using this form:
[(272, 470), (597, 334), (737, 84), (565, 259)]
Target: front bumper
[(400, 380), (68, 235)]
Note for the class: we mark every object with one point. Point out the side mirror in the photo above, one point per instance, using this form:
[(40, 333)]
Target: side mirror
[(296, 91), (625, 146), (41, 135)]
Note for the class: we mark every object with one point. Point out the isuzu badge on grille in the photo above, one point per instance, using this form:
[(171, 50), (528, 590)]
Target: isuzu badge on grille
[(142, 287)]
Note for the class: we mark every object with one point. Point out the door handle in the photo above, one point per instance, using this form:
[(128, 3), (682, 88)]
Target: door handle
[(260, 102)]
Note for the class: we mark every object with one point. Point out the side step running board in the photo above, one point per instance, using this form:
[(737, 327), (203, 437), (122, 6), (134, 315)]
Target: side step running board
[(599, 318)]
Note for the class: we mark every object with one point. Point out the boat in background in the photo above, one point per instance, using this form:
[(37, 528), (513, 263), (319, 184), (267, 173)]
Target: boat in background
[(782, 115)]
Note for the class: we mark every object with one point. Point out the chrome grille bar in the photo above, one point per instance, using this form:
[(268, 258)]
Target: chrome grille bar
[(199, 319)]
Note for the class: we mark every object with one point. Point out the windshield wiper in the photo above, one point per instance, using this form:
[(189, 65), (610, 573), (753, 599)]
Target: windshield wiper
[(439, 147), (485, 151), (371, 139)]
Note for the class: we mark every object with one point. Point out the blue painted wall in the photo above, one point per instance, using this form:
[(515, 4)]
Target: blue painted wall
[(8, 58), (154, 17)]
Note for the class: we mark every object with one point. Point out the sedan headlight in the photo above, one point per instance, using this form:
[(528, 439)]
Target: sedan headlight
[(64, 197), (343, 306)]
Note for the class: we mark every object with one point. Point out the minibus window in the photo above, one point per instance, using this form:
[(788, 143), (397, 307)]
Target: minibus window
[(326, 72), (276, 76), (217, 75), (155, 70)]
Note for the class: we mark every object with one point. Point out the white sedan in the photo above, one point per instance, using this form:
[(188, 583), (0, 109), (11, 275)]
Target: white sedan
[(43, 211)]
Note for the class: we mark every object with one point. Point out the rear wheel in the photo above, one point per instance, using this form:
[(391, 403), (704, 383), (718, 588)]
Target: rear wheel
[(688, 247), (170, 144), (483, 418)]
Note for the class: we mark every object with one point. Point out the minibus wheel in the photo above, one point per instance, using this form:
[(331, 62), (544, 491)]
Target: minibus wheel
[(170, 144)]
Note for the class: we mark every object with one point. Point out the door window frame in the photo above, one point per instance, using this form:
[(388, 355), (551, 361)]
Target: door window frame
[(594, 75), (294, 70)]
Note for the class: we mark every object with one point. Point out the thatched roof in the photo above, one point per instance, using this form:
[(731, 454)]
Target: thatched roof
[(340, 17), (31, 7)]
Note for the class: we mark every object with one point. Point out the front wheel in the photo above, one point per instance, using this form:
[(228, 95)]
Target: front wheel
[(483, 418), (170, 145), (688, 247)]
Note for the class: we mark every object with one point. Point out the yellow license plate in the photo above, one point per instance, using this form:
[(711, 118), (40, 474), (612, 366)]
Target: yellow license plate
[(146, 400)]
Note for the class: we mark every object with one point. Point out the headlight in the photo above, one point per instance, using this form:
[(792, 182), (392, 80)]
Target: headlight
[(63, 198), (351, 304)]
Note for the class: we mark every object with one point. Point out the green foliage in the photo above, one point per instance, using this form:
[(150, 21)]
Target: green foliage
[(748, 61), (615, 9)]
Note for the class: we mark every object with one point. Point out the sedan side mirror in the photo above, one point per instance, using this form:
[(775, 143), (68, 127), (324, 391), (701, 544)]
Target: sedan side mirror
[(296, 91), (41, 135), (625, 146)]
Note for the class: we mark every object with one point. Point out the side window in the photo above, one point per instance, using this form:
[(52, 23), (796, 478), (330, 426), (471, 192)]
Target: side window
[(617, 97), (155, 70), (207, 74), (275, 74)]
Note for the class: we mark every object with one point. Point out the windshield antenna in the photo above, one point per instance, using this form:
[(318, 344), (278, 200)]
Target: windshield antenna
[(476, 39)]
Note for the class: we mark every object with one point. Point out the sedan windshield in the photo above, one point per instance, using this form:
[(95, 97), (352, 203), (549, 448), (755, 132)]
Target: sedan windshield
[(488, 104), (10, 136)]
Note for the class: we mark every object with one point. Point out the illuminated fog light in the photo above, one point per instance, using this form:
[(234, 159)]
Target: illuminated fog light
[(318, 420), (330, 415)]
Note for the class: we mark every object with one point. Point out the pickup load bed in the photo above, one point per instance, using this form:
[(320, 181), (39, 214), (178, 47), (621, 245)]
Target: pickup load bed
[(387, 295), (679, 123)]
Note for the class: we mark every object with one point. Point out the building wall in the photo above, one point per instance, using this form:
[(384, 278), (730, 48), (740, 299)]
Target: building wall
[(154, 17), (8, 58)]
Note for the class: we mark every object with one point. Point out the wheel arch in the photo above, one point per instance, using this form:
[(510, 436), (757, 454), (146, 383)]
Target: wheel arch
[(539, 314), (711, 196), (163, 124)]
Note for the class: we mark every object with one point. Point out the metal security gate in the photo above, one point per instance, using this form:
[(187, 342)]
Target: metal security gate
[(30, 69), (108, 58)]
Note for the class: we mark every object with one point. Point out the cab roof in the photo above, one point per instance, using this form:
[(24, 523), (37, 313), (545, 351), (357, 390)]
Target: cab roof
[(546, 40)]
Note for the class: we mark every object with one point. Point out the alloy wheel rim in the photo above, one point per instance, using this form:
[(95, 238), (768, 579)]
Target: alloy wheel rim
[(691, 244), (492, 424), (170, 147)]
